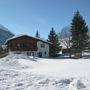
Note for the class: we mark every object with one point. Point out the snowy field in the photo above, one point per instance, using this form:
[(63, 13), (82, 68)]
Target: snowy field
[(20, 72)]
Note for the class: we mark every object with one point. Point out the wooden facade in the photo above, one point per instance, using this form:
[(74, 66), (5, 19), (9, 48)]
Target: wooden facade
[(22, 43), (28, 45)]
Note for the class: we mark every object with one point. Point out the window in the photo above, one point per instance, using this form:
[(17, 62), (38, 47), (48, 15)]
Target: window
[(45, 53), (18, 45), (42, 45), (39, 54)]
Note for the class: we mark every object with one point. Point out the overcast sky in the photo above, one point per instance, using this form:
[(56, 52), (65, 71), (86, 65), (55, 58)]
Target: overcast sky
[(26, 16)]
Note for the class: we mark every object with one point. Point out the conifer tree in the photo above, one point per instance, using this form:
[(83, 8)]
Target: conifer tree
[(37, 34), (79, 31), (55, 48)]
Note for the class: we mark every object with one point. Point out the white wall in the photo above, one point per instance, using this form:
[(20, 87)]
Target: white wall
[(43, 50)]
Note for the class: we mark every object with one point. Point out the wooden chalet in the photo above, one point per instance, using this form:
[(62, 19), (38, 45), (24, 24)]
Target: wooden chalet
[(28, 44)]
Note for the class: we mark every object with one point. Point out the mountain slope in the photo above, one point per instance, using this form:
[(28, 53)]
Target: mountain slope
[(65, 32), (4, 34)]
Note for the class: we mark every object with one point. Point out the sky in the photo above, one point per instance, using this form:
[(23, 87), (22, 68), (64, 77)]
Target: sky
[(28, 16)]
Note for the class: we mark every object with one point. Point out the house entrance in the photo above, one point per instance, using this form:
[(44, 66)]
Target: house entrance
[(39, 54)]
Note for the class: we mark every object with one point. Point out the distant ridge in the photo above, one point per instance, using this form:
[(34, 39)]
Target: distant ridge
[(65, 32), (4, 34)]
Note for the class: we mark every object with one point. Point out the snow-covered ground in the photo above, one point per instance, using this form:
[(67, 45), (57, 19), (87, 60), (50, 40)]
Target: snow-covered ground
[(21, 72)]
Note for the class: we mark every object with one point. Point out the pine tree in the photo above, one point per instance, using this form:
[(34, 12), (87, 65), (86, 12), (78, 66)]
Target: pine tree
[(55, 48), (79, 31), (37, 34)]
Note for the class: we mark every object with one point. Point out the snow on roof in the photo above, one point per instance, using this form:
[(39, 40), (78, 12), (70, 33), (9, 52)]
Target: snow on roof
[(16, 36)]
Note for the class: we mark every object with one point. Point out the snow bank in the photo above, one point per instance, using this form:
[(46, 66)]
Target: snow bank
[(13, 80), (17, 56), (16, 61), (21, 72)]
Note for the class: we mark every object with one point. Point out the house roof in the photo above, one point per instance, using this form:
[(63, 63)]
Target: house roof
[(17, 36)]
